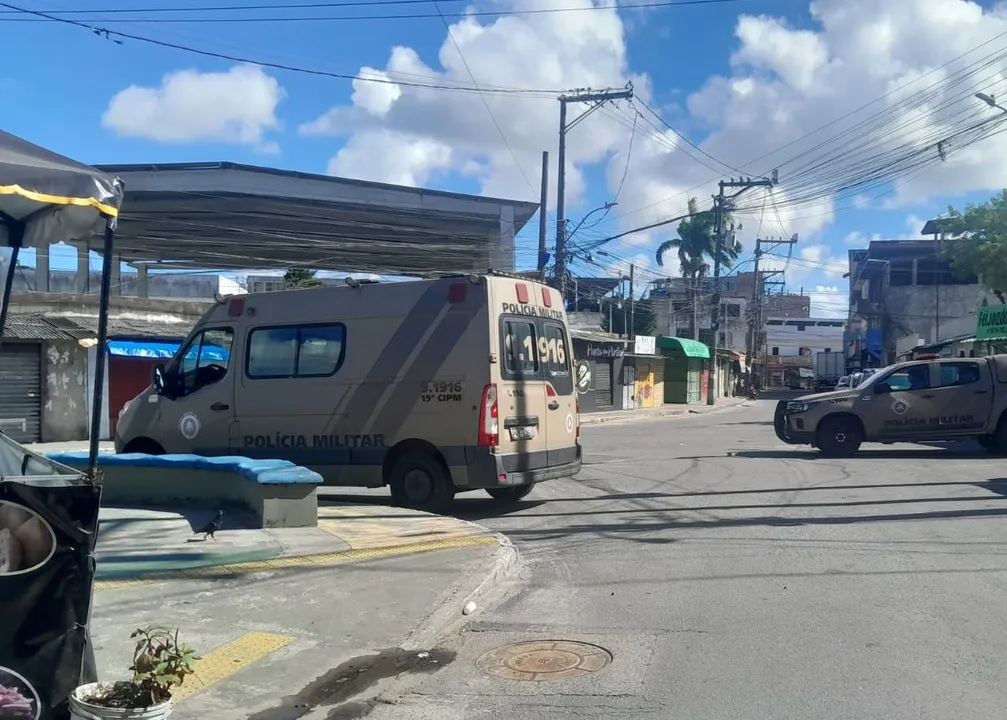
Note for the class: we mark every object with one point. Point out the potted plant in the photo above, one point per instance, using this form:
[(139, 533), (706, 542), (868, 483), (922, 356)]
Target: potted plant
[(159, 664)]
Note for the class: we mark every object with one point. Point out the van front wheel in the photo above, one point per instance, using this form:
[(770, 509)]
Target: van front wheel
[(419, 481), (511, 494)]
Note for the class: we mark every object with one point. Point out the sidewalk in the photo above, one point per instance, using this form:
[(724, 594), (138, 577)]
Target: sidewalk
[(662, 412), (275, 613)]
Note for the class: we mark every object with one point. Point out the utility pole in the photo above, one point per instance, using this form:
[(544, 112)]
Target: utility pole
[(596, 99), (721, 205), (543, 216), (758, 295), (631, 330)]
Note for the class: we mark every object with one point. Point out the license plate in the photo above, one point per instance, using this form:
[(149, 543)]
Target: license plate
[(523, 432)]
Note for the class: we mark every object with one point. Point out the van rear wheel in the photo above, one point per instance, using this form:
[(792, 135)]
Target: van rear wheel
[(419, 481), (511, 494)]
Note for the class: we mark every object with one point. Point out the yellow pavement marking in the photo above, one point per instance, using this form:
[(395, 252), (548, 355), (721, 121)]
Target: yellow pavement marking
[(297, 561), (229, 659), (372, 528)]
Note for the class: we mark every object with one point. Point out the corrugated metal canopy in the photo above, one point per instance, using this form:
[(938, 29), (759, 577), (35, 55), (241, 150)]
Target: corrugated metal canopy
[(227, 215), (689, 348), (36, 327)]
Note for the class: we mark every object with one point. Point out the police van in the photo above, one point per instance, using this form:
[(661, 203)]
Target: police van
[(430, 387)]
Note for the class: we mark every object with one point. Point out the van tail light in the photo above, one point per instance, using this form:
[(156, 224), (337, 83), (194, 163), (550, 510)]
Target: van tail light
[(550, 391), (489, 418), (577, 408)]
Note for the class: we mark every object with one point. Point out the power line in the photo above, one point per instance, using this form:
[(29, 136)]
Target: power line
[(114, 34), (489, 110), (319, 6)]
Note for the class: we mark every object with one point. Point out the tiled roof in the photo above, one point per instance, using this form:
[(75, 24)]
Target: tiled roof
[(32, 326), (35, 327)]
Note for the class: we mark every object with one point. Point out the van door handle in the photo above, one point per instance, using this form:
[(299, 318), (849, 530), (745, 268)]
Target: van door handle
[(219, 406), (927, 396), (981, 392), (554, 405)]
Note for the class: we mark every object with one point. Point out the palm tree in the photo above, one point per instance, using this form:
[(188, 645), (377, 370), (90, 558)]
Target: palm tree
[(696, 243), (297, 278)]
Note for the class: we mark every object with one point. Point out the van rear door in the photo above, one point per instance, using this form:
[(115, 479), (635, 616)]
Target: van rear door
[(521, 395), (561, 398)]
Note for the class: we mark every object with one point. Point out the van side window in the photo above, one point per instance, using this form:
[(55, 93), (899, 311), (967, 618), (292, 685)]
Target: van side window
[(205, 359), (520, 347), (298, 351)]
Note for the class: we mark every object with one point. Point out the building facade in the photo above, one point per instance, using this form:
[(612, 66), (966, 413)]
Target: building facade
[(792, 344), (903, 293)]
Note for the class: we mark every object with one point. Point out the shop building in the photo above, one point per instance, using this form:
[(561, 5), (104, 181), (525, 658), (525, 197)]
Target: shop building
[(599, 359), (686, 369)]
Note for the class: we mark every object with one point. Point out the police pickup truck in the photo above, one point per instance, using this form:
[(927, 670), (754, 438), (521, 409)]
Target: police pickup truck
[(923, 400)]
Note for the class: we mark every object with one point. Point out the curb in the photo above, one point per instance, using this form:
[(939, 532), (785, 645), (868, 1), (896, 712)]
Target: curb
[(285, 562), (490, 580), (586, 420)]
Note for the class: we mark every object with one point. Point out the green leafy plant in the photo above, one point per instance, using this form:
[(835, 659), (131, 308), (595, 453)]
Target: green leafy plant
[(160, 662)]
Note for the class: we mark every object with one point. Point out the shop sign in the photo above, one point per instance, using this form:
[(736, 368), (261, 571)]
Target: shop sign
[(612, 350), (992, 323), (645, 345)]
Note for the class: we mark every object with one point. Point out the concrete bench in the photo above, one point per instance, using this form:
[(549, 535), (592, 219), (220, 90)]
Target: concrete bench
[(277, 492)]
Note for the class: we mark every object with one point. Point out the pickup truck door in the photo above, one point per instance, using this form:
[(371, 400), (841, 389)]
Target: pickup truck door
[(963, 396), (903, 412)]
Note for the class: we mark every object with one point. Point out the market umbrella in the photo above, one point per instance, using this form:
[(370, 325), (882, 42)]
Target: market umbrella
[(45, 647), (46, 198)]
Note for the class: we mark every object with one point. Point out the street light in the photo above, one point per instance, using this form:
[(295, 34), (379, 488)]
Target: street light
[(991, 101), (606, 207)]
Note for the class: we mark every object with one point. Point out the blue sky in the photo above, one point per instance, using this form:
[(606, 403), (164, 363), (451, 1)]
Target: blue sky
[(674, 55)]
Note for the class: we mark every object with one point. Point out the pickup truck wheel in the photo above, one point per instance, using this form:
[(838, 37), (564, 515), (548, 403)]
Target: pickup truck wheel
[(511, 494), (839, 437), (1000, 438), (988, 442), (419, 481)]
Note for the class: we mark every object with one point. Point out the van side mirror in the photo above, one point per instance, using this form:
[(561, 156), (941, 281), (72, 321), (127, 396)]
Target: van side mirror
[(882, 388), (159, 381)]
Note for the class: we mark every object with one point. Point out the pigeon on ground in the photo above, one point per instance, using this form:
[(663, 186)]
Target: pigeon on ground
[(213, 526)]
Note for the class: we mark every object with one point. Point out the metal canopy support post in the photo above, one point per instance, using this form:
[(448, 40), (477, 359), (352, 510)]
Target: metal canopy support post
[(16, 236), (99, 370)]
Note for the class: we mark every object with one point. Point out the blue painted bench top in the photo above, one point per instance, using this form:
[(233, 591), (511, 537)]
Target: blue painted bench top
[(263, 472)]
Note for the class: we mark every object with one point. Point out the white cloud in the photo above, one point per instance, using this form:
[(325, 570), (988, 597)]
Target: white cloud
[(236, 107)]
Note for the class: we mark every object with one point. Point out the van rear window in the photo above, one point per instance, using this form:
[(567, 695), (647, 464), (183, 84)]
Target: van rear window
[(520, 348)]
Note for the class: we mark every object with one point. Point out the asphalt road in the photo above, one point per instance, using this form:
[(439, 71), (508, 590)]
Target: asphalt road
[(733, 577)]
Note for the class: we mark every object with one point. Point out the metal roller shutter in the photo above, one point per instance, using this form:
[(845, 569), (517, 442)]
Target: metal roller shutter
[(21, 391), (603, 383)]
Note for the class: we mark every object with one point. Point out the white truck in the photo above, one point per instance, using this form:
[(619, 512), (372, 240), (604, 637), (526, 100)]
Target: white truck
[(829, 367)]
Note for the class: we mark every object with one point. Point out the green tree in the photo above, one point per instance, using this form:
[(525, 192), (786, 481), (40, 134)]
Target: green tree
[(978, 243), (295, 278), (644, 320), (696, 245)]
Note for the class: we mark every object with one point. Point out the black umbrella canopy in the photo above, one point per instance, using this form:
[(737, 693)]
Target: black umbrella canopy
[(46, 198)]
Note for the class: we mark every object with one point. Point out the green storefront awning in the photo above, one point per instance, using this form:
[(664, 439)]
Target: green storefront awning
[(689, 348)]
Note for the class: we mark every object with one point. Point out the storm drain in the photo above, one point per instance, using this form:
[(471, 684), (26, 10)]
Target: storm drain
[(544, 660)]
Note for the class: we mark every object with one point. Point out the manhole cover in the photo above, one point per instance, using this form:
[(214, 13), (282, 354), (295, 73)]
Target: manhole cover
[(544, 660)]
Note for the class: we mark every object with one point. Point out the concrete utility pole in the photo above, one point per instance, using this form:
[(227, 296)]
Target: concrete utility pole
[(721, 205), (597, 99), (543, 216), (758, 295), (631, 330)]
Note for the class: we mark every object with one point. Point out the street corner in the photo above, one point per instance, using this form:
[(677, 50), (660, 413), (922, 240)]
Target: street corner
[(379, 527)]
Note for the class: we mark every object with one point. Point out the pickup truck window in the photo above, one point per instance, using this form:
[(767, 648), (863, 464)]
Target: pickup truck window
[(963, 373), (914, 377)]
